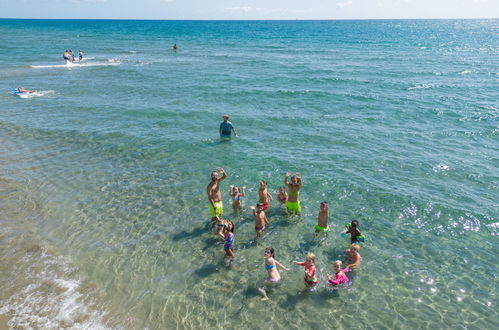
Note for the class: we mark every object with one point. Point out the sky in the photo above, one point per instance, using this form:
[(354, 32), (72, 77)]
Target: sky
[(248, 9)]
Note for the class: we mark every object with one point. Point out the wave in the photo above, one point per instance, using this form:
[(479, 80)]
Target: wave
[(109, 62), (40, 289), (35, 94), (51, 298), (421, 86)]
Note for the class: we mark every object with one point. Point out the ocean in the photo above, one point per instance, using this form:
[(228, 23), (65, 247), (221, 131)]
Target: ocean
[(104, 219)]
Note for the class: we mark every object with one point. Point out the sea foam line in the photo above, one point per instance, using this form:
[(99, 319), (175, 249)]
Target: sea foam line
[(111, 62)]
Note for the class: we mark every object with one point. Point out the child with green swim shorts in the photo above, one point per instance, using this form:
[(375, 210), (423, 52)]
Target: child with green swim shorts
[(293, 204), (322, 218)]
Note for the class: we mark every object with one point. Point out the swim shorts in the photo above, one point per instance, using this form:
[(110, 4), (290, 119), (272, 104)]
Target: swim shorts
[(322, 229), (219, 207), (293, 206), (265, 206)]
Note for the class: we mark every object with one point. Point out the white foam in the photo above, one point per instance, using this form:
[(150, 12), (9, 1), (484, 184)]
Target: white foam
[(35, 94), (52, 300), (110, 62), (440, 168), (422, 86), (465, 72)]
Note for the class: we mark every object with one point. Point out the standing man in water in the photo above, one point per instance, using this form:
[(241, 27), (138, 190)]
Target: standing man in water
[(226, 128), (293, 202), (214, 194)]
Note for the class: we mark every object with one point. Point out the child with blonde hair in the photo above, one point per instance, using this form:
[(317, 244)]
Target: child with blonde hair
[(340, 277), (322, 218), (309, 264), (260, 218), (354, 257)]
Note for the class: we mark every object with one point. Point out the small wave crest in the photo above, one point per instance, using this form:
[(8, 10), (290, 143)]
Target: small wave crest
[(109, 62), (35, 94), (51, 298), (440, 168), (421, 86)]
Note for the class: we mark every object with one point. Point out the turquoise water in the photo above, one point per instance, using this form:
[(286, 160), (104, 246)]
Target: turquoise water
[(104, 220)]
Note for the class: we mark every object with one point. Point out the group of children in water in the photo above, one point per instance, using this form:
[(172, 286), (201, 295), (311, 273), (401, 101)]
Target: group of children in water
[(225, 230)]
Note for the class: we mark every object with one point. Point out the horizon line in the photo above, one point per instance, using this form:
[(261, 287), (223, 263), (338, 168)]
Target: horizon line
[(249, 19)]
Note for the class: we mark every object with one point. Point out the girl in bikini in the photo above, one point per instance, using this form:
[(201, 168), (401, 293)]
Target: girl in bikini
[(236, 195), (273, 274)]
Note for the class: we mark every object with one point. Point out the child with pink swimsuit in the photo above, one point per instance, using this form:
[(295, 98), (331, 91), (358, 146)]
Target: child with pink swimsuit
[(340, 277)]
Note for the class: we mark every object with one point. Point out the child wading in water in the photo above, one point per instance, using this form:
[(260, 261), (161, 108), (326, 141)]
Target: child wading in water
[(263, 195), (309, 265), (322, 218), (219, 228), (293, 202), (273, 274), (236, 195), (353, 230), (339, 277), (354, 257), (282, 196), (260, 218), (229, 239)]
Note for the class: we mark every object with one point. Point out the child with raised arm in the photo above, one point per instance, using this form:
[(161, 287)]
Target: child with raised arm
[(219, 227), (293, 202), (260, 218), (282, 196), (322, 218), (236, 195), (354, 257), (263, 195), (273, 274), (229, 238), (339, 277), (353, 230), (309, 264)]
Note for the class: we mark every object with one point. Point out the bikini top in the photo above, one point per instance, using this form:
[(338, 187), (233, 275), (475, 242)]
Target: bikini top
[(236, 198), (269, 267)]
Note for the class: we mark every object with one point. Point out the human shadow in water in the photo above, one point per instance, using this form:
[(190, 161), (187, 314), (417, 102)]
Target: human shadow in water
[(206, 270), (184, 234), (251, 291)]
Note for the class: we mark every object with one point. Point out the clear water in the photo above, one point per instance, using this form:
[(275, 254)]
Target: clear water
[(104, 216)]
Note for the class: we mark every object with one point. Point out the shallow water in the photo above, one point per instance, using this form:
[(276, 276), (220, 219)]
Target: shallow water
[(104, 220)]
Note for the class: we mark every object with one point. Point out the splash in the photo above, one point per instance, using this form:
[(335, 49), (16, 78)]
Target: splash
[(35, 94)]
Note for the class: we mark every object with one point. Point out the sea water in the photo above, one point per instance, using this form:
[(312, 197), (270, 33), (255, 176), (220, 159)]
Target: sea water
[(104, 214)]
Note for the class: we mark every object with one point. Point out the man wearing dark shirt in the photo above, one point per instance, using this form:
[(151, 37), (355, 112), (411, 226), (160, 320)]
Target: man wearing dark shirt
[(226, 128)]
